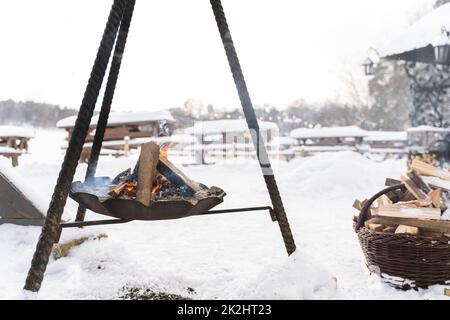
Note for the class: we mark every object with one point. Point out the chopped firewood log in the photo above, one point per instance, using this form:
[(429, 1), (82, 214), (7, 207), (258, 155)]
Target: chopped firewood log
[(422, 185), (371, 221), (413, 204), (407, 230), (118, 189), (383, 200), (414, 189), (148, 160), (389, 229), (376, 227), (426, 169), (357, 205), (437, 199), (436, 183), (391, 182), (399, 212), (394, 196), (433, 234), (406, 196), (424, 224), (174, 175)]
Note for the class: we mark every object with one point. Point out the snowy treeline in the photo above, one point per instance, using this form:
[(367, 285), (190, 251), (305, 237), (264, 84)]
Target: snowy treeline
[(32, 113)]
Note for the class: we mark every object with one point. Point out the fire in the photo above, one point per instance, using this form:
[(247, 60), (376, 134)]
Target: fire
[(130, 188), (164, 149), (158, 182)]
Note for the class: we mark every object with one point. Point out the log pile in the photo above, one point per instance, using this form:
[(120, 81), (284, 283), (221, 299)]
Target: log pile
[(418, 209)]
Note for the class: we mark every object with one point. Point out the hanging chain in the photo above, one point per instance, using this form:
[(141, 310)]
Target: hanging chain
[(108, 98), (51, 225), (253, 126)]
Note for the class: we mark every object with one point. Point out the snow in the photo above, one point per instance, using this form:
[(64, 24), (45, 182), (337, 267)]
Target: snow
[(385, 136), (426, 31), (427, 129), (117, 118), (15, 131), (22, 184), (233, 125), (229, 256), (10, 150), (328, 132)]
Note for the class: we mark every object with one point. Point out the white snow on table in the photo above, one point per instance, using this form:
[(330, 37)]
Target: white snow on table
[(10, 150), (117, 118), (229, 256), (328, 132), (426, 31), (16, 131)]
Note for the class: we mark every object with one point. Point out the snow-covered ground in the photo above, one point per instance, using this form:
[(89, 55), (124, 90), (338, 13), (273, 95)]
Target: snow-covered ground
[(233, 256)]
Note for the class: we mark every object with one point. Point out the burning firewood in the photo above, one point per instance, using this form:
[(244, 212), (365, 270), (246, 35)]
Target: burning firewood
[(154, 179), (148, 161)]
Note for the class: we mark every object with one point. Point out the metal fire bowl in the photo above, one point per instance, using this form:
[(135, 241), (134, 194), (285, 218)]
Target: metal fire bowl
[(134, 210)]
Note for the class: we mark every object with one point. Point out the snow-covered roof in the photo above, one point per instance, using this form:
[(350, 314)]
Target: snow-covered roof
[(428, 129), (328, 132), (287, 141), (232, 125), (118, 118), (15, 131), (385, 136), (425, 32)]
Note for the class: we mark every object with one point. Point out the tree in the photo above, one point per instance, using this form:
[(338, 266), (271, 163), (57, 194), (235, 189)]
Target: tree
[(439, 3), (392, 102)]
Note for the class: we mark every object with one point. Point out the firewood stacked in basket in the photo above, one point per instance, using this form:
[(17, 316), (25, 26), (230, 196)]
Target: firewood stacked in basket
[(419, 207)]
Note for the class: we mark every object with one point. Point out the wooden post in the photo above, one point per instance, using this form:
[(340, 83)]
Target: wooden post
[(15, 160), (148, 160), (126, 146)]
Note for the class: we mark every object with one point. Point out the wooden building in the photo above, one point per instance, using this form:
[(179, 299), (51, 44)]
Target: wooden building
[(125, 131), (326, 139)]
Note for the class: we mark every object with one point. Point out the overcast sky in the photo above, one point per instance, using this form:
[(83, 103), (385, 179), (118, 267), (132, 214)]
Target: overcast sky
[(289, 49)]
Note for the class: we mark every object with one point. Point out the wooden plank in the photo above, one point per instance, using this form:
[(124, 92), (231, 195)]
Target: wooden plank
[(175, 175), (383, 200), (437, 199), (423, 168), (418, 181), (447, 292), (403, 229), (412, 187), (148, 160), (389, 229), (391, 182), (424, 224), (408, 212), (376, 226)]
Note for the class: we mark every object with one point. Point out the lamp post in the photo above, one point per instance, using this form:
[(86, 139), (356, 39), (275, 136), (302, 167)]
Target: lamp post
[(368, 66)]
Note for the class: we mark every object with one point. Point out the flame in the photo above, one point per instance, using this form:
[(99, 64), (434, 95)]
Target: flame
[(158, 182), (164, 149), (130, 188)]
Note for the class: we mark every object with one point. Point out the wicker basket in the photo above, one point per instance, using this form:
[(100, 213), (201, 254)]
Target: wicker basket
[(404, 261)]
